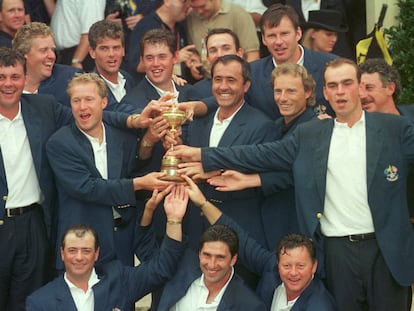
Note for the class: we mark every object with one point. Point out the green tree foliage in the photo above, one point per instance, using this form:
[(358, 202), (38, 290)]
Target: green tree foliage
[(401, 46)]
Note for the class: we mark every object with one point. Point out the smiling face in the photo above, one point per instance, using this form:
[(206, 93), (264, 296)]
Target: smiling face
[(159, 64), (219, 45), (216, 263), (12, 81), (87, 108), (228, 86), (79, 256), (296, 270), (12, 16), (290, 96), (108, 56), (282, 41), (375, 97), (41, 58)]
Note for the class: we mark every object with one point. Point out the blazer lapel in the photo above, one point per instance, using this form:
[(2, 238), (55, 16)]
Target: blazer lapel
[(63, 297), (114, 154), (320, 157), (374, 143), (235, 127)]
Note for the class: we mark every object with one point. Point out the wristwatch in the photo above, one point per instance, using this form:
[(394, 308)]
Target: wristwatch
[(76, 61), (146, 144)]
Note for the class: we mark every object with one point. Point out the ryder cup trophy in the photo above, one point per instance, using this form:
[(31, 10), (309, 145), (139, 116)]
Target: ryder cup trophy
[(175, 117)]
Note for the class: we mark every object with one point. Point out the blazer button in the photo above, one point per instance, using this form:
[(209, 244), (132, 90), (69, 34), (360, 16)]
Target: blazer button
[(1, 222), (4, 197), (319, 215)]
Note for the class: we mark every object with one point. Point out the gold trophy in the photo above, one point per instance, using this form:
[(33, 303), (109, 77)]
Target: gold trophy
[(175, 117)]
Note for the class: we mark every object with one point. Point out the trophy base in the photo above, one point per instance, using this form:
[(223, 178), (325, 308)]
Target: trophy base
[(170, 167)]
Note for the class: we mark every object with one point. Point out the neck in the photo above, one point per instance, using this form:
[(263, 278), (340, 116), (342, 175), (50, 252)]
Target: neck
[(112, 77), (31, 84), (81, 283), (163, 13), (392, 109), (215, 288), (227, 112)]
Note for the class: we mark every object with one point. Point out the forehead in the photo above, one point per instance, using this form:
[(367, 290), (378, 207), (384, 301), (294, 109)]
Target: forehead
[(12, 3), (285, 24), (216, 248), (84, 87), (288, 79), (371, 77), (109, 41), (39, 40), (14, 69), (86, 241), (155, 48), (340, 73), (231, 68), (221, 39), (199, 3), (297, 253)]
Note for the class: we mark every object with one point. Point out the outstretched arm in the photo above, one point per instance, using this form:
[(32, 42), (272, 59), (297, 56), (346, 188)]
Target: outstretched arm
[(175, 205), (233, 180)]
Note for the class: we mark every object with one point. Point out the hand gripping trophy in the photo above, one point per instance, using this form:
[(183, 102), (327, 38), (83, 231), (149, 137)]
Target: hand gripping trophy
[(175, 118)]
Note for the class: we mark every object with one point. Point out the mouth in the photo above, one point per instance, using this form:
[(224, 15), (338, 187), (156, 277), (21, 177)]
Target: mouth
[(85, 116)]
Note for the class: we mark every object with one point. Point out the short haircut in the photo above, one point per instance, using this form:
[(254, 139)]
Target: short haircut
[(386, 73), (80, 231), (102, 29), (337, 62), (1, 4), (159, 36), (233, 58), (291, 241), (91, 77), (274, 14), (23, 38), (297, 71), (221, 233), (219, 31), (11, 58)]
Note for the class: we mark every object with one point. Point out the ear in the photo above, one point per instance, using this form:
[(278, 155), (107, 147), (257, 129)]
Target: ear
[(390, 88), (324, 93), (233, 260), (175, 57), (246, 86), (308, 93), (240, 53), (298, 34), (315, 266), (97, 254), (92, 53), (62, 254), (104, 102)]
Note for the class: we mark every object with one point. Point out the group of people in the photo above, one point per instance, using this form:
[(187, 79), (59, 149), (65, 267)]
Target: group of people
[(295, 166)]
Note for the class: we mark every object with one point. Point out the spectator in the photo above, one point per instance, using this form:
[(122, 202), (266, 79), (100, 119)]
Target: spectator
[(12, 16), (321, 30), (209, 14), (70, 23)]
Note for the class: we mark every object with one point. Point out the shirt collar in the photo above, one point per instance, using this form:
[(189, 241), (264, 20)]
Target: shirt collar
[(300, 60)]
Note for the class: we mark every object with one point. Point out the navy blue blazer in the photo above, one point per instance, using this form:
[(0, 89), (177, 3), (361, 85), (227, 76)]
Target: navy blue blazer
[(119, 286), (57, 83), (264, 263), (204, 87), (389, 141), (248, 126), (42, 116), (278, 209), (113, 104), (84, 196), (237, 296), (260, 94)]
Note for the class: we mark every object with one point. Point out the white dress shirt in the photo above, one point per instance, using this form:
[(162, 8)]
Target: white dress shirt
[(84, 301)]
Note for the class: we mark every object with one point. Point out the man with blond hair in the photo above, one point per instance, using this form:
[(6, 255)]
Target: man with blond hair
[(36, 42)]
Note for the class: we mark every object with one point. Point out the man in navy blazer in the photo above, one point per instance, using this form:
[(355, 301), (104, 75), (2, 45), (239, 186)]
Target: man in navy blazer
[(94, 164), (350, 193), (110, 286), (209, 279), (107, 49), (281, 33), (286, 273), (35, 41), (234, 122)]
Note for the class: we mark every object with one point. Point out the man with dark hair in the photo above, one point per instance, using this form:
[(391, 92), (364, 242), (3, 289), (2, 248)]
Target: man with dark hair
[(219, 42), (380, 91), (294, 287), (170, 16), (281, 34), (107, 49), (36, 42), (12, 15), (209, 281), (110, 286), (350, 189)]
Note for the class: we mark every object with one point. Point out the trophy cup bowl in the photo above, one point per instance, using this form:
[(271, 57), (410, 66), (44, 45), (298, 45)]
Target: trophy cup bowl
[(169, 165)]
